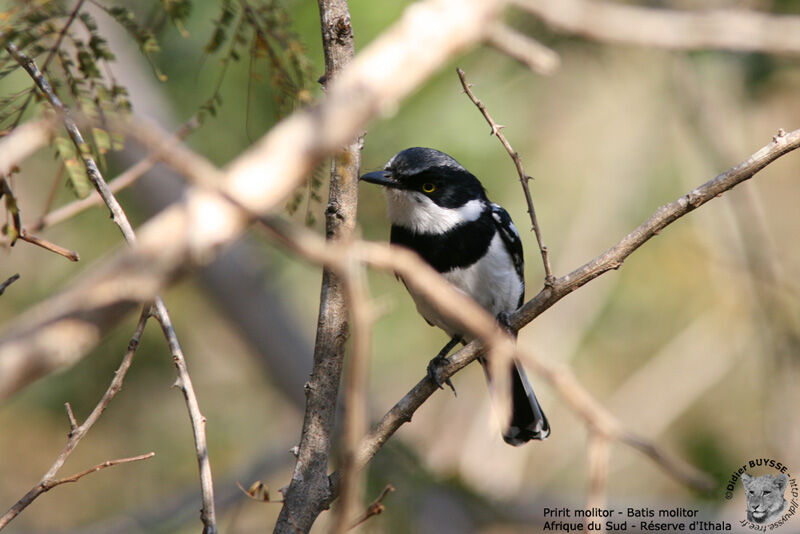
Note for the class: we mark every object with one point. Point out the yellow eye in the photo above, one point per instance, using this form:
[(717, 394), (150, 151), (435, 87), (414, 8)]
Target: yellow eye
[(428, 188)]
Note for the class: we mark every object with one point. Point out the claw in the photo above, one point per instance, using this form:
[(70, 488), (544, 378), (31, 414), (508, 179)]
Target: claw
[(434, 367)]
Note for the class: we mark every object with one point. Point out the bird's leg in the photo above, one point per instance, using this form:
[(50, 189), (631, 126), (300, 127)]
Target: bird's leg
[(504, 319), (436, 363)]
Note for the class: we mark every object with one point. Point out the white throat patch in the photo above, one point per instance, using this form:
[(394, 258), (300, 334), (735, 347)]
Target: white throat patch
[(418, 213)]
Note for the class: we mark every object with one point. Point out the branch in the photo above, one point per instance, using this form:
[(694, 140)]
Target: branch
[(613, 258), (598, 459), (524, 49), (11, 280), (562, 380), (47, 245), (523, 177), (47, 485), (119, 217), (190, 233), (76, 432), (478, 323), (355, 391), (376, 507), (683, 30), (303, 499), (20, 232)]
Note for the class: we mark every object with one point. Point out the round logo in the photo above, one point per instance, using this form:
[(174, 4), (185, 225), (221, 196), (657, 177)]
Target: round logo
[(770, 490)]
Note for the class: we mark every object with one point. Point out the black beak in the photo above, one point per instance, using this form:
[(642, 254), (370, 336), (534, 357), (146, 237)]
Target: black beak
[(383, 178)]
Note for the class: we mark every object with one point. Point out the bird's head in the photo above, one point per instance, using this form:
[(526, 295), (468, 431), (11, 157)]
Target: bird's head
[(428, 191)]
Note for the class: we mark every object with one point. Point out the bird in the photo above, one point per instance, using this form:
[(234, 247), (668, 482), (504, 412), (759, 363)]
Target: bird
[(440, 210)]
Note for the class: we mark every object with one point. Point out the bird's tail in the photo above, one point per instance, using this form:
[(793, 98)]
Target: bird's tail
[(527, 419)]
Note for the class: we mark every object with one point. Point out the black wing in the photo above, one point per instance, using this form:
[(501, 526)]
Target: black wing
[(510, 236)]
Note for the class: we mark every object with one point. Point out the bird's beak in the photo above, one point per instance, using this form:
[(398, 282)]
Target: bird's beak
[(383, 178)]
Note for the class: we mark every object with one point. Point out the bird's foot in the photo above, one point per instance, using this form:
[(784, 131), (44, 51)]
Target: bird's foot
[(435, 369), (504, 319)]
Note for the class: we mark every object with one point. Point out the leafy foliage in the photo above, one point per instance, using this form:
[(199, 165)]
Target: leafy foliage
[(64, 40), (262, 30)]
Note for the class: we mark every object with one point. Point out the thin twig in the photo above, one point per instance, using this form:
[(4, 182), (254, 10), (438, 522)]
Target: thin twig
[(184, 382), (73, 423), (47, 484), (20, 232), (76, 432), (613, 22), (376, 507), (13, 278), (523, 48), (119, 217), (598, 455), (126, 179), (355, 389), (48, 245), (523, 177), (98, 467)]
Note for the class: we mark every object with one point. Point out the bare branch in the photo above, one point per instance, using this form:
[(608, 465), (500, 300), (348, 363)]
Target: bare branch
[(21, 233), (376, 507), (523, 177), (47, 245), (47, 485), (207, 514), (76, 432), (13, 278), (524, 49), (307, 490), (98, 467), (184, 382), (781, 144), (682, 30), (73, 423), (598, 459), (355, 391)]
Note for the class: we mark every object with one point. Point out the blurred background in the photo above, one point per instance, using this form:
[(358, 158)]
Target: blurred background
[(693, 343)]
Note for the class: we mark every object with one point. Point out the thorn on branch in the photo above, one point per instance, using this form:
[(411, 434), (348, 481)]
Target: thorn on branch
[(258, 491), (108, 463), (73, 423), (376, 507), (47, 245), (8, 282)]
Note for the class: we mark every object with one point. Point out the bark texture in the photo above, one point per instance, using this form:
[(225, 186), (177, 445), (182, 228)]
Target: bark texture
[(309, 493)]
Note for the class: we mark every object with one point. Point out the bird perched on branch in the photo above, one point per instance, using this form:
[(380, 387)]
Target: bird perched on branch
[(439, 210)]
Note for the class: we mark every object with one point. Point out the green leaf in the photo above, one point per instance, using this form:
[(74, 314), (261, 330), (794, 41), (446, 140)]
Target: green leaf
[(77, 180)]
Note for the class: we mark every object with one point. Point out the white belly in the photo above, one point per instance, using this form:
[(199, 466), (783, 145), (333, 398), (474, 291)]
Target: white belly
[(491, 281)]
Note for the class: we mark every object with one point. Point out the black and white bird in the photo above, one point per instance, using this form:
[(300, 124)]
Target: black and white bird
[(440, 210)]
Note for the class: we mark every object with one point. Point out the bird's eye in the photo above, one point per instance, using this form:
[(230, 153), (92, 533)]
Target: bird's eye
[(428, 188)]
